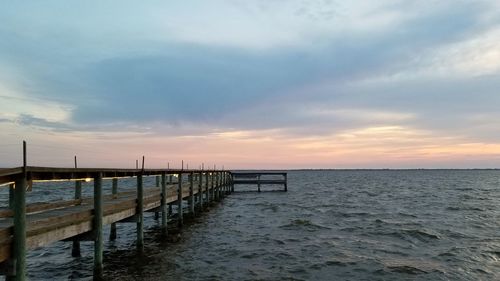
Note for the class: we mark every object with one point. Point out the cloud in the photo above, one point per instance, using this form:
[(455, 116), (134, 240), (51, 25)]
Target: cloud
[(260, 71)]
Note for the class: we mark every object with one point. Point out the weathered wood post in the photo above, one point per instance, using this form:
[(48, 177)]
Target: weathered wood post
[(19, 235), (140, 213), (97, 227), (216, 186), (157, 183), (75, 249), (212, 191), (258, 182), (200, 190), (207, 192), (179, 201), (19, 249), (191, 193), (11, 196), (114, 191), (286, 182), (164, 217), (232, 183), (219, 184), (224, 180), (170, 181)]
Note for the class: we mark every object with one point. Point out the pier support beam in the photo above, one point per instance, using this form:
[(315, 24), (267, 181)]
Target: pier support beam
[(219, 185), (258, 182), (164, 218), (19, 237), (75, 249), (11, 196), (114, 191), (212, 191), (200, 191), (179, 201), (286, 182), (207, 193), (140, 213), (191, 193), (157, 182), (97, 227)]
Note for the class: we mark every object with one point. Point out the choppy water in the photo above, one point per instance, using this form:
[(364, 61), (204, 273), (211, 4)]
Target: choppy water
[(331, 225)]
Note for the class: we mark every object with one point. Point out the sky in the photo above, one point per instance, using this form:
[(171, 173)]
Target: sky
[(264, 84)]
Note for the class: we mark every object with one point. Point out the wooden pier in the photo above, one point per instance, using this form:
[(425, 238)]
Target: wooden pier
[(29, 226), (260, 178)]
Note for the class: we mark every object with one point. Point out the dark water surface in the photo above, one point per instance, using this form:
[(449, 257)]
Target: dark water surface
[(330, 225)]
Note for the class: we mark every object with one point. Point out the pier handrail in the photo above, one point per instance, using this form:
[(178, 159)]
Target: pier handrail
[(36, 173)]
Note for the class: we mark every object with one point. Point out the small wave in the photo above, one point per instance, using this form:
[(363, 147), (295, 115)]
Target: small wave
[(342, 263), (405, 234), (299, 224), (464, 208), (406, 269), (421, 234)]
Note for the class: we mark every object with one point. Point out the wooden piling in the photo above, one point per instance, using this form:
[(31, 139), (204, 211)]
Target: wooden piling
[(11, 196), (200, 190), (207, 193), (19, 249), (191, 193), (219, 185), (75, 249), (212, 191), (286, 182), (179, 201), (114, 191), (97, 227), (157, 183), (140, 213), (164, 218)]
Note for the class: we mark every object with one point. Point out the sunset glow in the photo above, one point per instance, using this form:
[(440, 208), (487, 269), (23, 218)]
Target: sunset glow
[(260, 84)]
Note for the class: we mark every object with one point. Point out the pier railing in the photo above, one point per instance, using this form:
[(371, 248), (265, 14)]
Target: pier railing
[(260, 178), (29, 226)]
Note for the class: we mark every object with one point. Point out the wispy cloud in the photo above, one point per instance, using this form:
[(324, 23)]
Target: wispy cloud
[(306, 74)]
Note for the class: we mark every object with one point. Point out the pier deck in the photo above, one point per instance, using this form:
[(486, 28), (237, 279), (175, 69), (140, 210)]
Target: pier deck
[(256, 178), (29, 226)]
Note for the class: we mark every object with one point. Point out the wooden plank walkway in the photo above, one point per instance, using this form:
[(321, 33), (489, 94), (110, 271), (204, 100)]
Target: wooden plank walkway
[(24, 227)]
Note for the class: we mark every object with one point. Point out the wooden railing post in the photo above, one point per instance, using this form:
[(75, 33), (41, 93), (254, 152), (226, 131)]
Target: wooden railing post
[(179, 201), (258, 182), (114, 191), (140, 213), (219, 184), (191, 193), (11, 196), (286, 182), (216, 194), (224, 180), (97, 227), (212, 191), (232, 183), (200, 190), (164, 213), (19, 249), (207, 193), (75, 249)]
